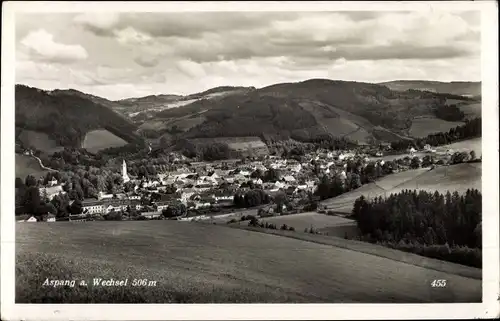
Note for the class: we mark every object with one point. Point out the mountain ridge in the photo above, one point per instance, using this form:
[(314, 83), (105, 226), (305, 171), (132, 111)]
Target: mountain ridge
[(304, 110)]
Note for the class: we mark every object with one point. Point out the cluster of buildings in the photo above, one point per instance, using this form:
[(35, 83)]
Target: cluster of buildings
[(203, 185)]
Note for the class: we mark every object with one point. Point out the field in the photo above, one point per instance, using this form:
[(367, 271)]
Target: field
[(27, 165), (97, 140), (235, 143), (421, 127), (328, 224), (474, 144), (458, 177), (39, 141), (207, 263), (471, 110)]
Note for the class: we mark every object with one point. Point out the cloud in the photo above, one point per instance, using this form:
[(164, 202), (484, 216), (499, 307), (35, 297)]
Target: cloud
[(190, 68), (41, 45), (323, 36), (123, 54), (130, 36), (178, 24), (98, 23), (147, 62)]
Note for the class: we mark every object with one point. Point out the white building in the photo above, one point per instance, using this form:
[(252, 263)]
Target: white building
[(125, 177), (53, 182), (51, 191)]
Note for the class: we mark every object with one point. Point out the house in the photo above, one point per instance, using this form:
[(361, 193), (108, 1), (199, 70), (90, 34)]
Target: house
[(186, 194), (279, 185), (224, 196), (428, 149), (151, 215), (257, 181), (53, 182), (162, 205), (346, 156), (50, 218), (289, 179), (136, 204), (92, 206), (296, 168), (203, 187), (51, 191), (102, 195), (31, 219)]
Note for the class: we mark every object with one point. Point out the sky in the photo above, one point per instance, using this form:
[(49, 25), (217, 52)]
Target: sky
[(122, 55)]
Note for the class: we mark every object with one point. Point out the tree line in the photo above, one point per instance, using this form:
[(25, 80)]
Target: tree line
[(471, 129), (446, 226)]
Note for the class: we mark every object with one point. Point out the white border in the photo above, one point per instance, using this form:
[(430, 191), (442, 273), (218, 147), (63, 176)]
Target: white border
[(491, 278)]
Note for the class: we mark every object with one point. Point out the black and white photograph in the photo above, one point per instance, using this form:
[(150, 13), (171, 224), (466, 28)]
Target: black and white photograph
[(190, 156)]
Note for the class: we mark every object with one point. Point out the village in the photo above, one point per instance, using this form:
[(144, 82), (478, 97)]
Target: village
[(201, 190)]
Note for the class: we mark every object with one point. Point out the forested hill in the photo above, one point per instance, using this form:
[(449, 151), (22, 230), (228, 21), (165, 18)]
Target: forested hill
[(304, 110), (463, 88), (66, 117)]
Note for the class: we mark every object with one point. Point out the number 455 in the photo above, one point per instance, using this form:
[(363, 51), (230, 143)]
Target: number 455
[(438, 283)]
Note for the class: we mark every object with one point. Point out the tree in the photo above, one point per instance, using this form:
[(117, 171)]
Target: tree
[(19, 183), (257, 174), (472, 155), (76, 207), (31, 200), (272, 175), (174, 210), (30, 181), (355, 181), (459, 157), (427, 161), (323, 190), (415, 162)]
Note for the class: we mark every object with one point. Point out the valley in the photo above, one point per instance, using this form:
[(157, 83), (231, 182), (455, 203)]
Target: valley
[(264, 178)]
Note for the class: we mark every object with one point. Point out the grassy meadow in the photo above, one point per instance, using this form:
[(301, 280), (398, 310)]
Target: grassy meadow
[(328, 224), (202, 263), (421, 127), (452, 178), (96, 140), (27, 165), (39, 141)]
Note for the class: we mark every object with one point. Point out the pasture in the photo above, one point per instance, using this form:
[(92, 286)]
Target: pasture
[(474, 144), (452, 178), (423, 126), (329, 224), (100, 139), (27, 165), (471, 110), (39, 141), (461, 146), (198, 263)]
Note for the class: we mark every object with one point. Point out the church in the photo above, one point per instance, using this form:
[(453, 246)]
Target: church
[(125, 177)]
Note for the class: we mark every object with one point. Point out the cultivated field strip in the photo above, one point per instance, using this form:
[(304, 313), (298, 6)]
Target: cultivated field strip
[(458, 177), (207, 263)]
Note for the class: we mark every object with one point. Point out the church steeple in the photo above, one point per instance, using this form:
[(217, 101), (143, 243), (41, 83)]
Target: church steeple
[(124, 173)]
